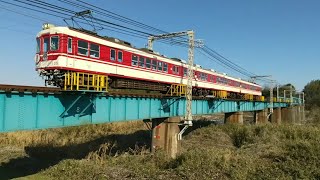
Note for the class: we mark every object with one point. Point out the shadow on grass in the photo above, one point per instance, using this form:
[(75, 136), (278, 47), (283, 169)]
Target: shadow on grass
[(44, 156)]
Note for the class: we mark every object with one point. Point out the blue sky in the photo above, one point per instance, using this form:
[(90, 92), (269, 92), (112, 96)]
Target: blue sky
[(271, 37)]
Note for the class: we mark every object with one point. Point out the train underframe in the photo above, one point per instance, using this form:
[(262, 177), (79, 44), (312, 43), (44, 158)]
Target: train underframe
[(93, 82)]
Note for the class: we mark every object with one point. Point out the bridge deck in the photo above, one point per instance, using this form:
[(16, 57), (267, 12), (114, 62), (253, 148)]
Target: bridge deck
[(37, 110)]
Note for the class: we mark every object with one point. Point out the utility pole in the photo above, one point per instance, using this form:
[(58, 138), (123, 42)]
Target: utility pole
[(284, 96), (291, 95), (191, 44), (188, 119), (300, 102), (278, 92), (271, 96)]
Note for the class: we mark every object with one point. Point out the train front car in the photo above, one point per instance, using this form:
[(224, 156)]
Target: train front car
[(62, 65), (50, 50)]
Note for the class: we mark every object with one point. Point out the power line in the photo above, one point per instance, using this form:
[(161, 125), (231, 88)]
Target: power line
[(32, 9), (209, 51), (124, 18), (117, 17), (24, 14), (122, 28)]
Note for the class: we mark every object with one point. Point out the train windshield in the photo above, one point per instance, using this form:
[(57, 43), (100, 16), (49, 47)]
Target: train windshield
[(38, 45), (46, 44), (54, 43)]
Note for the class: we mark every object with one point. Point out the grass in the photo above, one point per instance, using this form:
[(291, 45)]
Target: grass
[(120, 151)]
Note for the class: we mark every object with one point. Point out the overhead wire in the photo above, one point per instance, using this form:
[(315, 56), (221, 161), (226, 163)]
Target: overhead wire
[(23, 14), (205, 49), (63, 17), (227, 63), (114, 16), (32, 9), (124, 29), (118, 30), (122, 18)]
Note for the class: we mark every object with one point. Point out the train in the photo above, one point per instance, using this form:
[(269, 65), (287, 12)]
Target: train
[(73, 58)]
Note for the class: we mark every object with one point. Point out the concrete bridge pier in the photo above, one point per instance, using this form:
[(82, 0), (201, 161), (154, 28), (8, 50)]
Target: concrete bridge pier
[(288, 114), (303, 115), (261, 117), (165, 135), (298, 114), (233, 117), (276, 116)]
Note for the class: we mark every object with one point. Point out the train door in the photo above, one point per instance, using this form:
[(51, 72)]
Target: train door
[(70, 51)]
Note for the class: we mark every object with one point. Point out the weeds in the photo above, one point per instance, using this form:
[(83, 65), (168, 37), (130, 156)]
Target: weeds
[(313, 116), (212, 152)]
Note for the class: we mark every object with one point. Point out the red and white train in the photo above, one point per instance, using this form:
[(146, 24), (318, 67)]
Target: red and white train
[(62, 49)]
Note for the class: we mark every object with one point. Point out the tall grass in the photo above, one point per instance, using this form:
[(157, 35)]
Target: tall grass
[(116, 151), (214, 152), (313, 115)]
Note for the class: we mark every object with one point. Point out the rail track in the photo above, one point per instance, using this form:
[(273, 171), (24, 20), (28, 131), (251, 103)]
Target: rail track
[(32, 89), (38, 89), (53, 90), (112, 92)]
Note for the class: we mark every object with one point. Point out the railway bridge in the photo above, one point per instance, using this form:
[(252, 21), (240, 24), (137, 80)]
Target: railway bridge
[(31, 108)]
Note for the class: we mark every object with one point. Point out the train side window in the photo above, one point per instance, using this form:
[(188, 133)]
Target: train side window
[(222, 80), (134, 60), (165, 67), (120, 56), (159, 66), (112, 55), (69, 45), (141, 62), (203, 76), (148, 63), (154, 65), (175, 70), (46, 44), (38, 45), (225, 81), (185, 72), (219, 80), (94, 50), (83, 47), (54, 44)]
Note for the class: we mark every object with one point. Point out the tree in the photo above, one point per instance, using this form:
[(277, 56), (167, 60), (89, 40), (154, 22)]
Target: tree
[(312, 94)]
